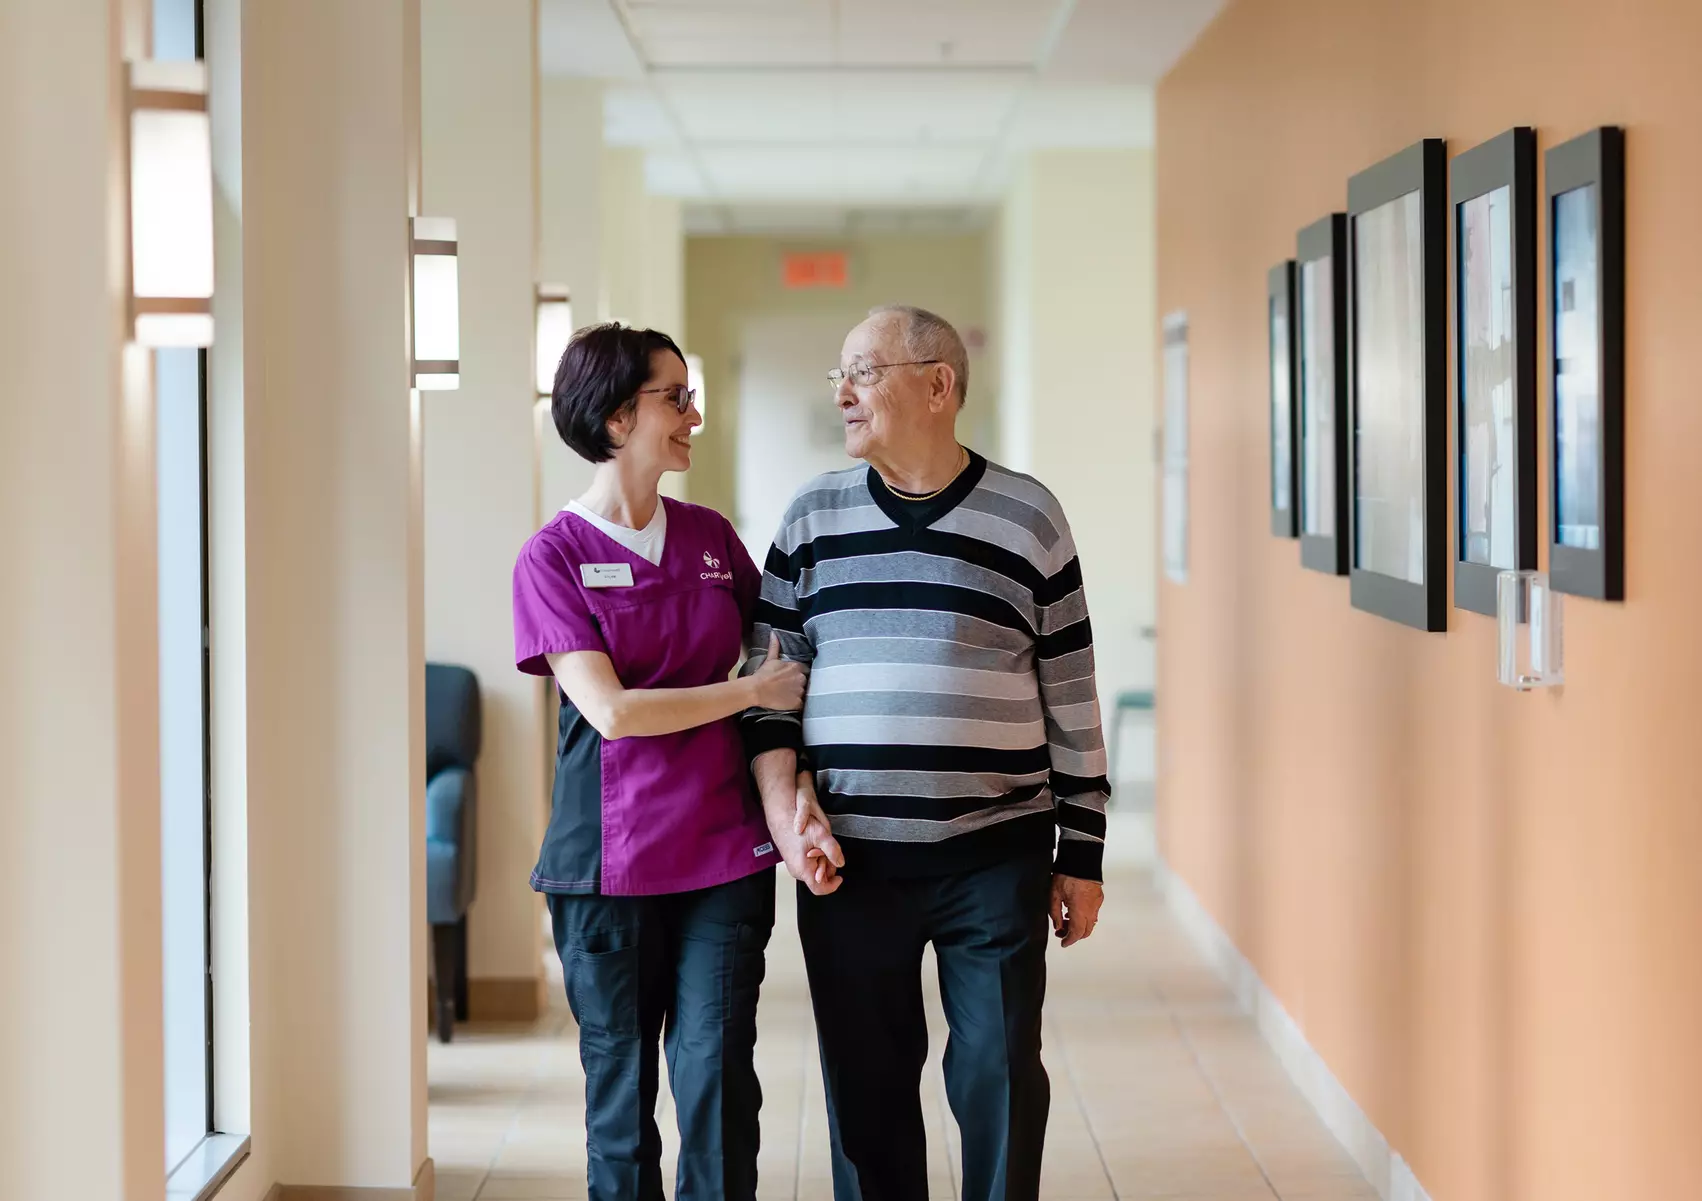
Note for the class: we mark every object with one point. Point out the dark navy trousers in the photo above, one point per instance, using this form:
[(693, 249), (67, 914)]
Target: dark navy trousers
[(863, 949), (683, 969)]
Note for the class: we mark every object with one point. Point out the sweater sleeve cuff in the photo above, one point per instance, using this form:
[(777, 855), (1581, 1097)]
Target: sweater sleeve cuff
[(1081, 858), (763, 734)]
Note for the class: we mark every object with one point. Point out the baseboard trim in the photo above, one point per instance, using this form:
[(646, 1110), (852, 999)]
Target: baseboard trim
[(1383, 1166), (494, 999), (424, 1189)]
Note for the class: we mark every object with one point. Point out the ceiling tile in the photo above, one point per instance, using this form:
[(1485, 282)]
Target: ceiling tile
[(944, 32), (723, 52), (926, 107), (754, 107), (633, 115), (1128, 41), (895, 174), (584, 38)]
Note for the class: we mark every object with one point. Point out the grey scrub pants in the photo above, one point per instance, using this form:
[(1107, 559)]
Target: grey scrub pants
[(684, 968)]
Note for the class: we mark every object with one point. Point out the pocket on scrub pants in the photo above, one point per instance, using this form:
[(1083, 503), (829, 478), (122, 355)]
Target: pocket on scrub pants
[(603, 991)]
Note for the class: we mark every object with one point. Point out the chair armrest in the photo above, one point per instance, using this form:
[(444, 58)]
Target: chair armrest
[(451, 842)]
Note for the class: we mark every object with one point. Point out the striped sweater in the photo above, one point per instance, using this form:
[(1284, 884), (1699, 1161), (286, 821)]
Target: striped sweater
[(952, 718)]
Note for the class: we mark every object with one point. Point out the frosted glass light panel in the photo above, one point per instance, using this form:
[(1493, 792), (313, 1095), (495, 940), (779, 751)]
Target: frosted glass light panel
[(437, 305), (1399, 286), (554, 330), (1529, 615), (1577, 369), (694, 381), (171, 205)]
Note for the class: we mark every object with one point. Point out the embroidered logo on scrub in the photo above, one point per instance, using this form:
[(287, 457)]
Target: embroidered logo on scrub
[(766, 848), (714, 565)]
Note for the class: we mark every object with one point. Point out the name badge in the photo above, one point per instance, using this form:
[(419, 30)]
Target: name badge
[(606, 575)]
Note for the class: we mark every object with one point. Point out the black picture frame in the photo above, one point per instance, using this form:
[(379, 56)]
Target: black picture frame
[(1284, 396), (1505, 169), (1596, 160), (1321, 267), (1421, 171)]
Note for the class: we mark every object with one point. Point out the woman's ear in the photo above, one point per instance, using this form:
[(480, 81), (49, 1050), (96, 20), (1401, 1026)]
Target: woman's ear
[(620, 426)]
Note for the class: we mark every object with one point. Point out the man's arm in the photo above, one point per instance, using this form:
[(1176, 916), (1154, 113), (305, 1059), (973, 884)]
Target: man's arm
[(776, 616), (800, 829), (774, 740), (1069, 697)]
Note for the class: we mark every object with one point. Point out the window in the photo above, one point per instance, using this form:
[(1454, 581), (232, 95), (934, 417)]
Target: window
[(180, 426)]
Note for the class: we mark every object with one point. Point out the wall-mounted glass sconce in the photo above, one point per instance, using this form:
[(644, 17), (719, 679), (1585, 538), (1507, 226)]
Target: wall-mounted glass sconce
[(694, 381), (437, 305), (171, 204), (1528, 615), (555, 327)]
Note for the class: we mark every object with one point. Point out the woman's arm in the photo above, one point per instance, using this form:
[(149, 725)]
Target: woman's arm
[(615, 711)]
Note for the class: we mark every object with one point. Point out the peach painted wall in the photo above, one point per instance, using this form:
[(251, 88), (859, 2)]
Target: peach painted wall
[(1484, 909)]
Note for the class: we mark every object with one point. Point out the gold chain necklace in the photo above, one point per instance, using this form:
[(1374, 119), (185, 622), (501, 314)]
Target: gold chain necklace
[(937, 491)]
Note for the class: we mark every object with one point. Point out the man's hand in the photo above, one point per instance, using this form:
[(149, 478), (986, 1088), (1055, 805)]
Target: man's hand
[(799, 828), (822, 856), (1075, 907)]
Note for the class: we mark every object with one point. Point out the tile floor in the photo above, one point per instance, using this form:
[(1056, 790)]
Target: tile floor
[(1161, 1087)]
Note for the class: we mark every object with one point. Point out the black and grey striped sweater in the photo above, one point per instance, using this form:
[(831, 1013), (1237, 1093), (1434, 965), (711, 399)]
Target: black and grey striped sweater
[(952, 718)]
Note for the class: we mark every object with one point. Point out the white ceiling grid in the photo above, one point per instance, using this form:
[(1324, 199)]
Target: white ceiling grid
[(760, 111)]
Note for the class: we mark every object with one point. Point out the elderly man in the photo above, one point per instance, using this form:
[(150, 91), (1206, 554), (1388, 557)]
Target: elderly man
[(951, 731)]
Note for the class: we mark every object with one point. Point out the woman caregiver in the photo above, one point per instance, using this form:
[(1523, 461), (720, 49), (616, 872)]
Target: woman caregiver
[(657, 860)]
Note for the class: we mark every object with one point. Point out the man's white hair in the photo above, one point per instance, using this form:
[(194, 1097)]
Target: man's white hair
[(930, 336)]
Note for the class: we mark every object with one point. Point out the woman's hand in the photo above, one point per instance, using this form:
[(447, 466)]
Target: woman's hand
[(779, 684)]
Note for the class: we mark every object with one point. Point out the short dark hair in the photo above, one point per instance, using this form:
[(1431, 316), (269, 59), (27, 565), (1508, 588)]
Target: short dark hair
[(599, 376)]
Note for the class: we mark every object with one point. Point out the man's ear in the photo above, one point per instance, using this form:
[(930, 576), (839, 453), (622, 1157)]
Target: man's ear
[(942, 388)]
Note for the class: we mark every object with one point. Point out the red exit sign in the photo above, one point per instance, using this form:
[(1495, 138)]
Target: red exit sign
[(813, 269)]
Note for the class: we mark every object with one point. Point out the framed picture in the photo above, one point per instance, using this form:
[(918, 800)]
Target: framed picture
[(1493, 190), (1321, 352), (1585, 186), (1398, 354), (1175, 466), (1279, 327)]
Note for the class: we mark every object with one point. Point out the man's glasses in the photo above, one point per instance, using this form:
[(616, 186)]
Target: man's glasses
[(867, 373), (680, 396)]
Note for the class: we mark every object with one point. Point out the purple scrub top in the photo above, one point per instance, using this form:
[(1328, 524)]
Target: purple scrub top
[(644, 815)]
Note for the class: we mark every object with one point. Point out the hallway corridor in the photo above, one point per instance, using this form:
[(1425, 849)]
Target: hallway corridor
[(1161, 1088)]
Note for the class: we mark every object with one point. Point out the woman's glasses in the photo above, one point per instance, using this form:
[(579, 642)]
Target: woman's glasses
[(680, 396)]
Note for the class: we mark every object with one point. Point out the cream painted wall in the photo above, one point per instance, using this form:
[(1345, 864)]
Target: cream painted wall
[(643, 248), (481, 494), (734, 283), (570, 251), (643, 259), (570, 172), (1077, 318), (330, 549), (80, 1017)]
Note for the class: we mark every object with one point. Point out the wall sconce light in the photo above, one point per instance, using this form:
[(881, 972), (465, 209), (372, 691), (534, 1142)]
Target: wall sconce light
[(1529, 626), (555, 328), (694, 381), (437, 305), (171, 204)]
